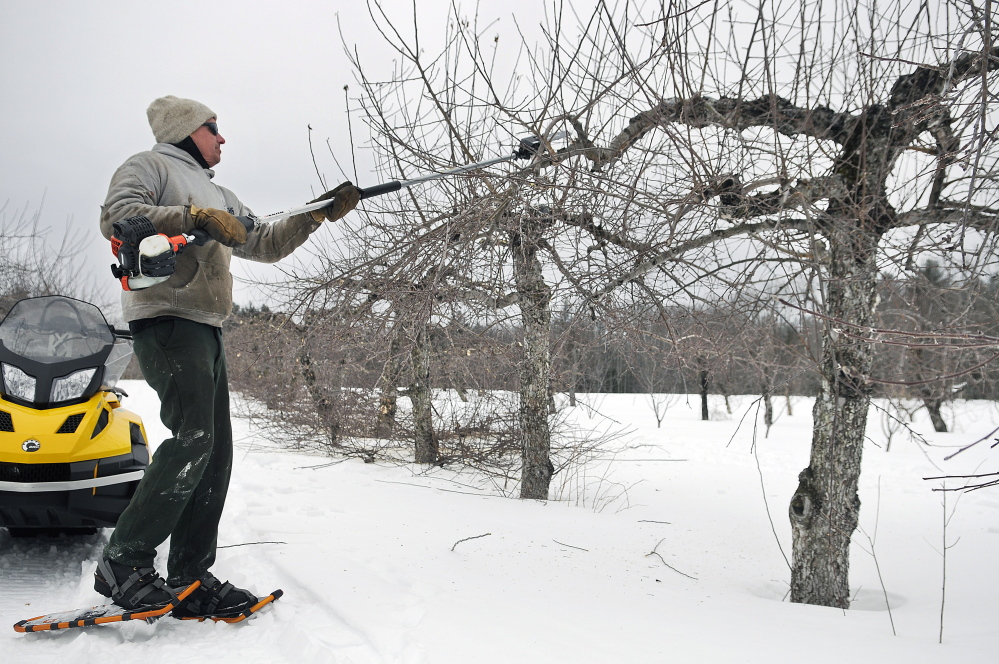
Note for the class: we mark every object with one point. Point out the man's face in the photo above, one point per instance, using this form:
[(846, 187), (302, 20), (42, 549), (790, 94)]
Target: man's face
[(210, 144)]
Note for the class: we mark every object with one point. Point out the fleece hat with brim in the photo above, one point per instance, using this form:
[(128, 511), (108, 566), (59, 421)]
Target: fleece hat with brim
[(173, 119)]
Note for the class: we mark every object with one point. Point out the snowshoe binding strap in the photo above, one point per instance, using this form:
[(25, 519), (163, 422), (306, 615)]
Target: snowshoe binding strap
[(135, 590), (215, 598), (210, 606)]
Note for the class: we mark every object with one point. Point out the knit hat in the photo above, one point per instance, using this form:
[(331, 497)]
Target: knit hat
[(173, 119)]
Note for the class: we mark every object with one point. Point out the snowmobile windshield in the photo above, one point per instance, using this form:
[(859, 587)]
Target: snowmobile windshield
[(55, 329)]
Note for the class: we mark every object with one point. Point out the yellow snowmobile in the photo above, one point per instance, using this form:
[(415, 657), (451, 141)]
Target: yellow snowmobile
[(70, 455)]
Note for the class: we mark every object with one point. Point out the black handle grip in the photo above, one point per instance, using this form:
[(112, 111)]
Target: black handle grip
[(201, 237), (380, 189), (249, 222)]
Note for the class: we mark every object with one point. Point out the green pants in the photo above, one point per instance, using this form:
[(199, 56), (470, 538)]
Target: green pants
[(183, 491)]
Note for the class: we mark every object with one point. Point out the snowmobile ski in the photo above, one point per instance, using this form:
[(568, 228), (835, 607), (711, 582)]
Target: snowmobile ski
[(100, 615), (243, 615)]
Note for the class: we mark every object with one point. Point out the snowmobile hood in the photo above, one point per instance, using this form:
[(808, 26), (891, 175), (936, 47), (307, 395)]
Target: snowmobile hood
[(96, 429)]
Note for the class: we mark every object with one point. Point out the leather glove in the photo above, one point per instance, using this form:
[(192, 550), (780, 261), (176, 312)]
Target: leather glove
[(222, 226), (343, 199)]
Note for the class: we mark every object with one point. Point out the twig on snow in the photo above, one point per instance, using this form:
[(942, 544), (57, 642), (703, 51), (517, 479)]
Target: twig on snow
[(229, 546), (469, 538), (322, 465), (658, 555)]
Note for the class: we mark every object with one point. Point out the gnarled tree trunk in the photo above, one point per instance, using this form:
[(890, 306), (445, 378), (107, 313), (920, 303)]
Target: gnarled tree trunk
[(825, 508), (535, 369), (419, 394)]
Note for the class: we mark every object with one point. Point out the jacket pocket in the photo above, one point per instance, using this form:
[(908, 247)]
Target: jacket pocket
[(208, 289), (183, 273)]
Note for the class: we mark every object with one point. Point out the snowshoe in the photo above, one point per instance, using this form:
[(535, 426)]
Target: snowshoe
[(239, 617), (215, 599)]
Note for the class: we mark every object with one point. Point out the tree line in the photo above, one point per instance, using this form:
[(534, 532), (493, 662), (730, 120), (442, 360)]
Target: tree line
[(722, 351)]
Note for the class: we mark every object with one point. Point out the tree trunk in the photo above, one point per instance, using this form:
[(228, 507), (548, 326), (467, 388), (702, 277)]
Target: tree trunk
[(768, 404), (534, 298), (933, 405), (574, 374), (703, 377), (419, 395), (388, 399), (329, 419), (825, 508), (930, 395)]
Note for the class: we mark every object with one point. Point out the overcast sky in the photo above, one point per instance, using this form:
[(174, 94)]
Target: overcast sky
[(77, 76)]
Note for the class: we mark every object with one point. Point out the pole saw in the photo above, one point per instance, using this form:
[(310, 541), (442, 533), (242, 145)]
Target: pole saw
[(146, 258)]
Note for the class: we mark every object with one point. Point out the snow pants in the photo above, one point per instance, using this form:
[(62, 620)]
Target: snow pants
[(182, 494)]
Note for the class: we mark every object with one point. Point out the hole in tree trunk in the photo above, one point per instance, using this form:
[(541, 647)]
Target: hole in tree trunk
[(801, 506)]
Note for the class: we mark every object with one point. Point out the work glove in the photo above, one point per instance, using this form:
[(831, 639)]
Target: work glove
[(342, 200), (222, 226)]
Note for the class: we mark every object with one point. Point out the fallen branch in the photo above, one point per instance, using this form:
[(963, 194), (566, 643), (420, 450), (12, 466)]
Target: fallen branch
[(470, 538), (322, 465), (658, 555), (229, 546), (570, 546)]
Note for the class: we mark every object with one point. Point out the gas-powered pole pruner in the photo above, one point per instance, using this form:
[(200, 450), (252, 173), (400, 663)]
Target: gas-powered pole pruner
[(146, 258)]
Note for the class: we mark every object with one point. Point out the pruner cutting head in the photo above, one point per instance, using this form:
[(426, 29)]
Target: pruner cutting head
[(529, 145)]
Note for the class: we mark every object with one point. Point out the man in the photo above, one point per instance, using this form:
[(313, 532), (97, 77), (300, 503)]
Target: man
[(176, 327)]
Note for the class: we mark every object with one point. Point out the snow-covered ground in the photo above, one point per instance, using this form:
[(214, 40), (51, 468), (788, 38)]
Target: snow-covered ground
[(669, 548)]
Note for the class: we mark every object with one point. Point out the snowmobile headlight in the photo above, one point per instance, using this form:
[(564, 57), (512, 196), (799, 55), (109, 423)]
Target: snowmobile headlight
[(71, 386), (17, 383)]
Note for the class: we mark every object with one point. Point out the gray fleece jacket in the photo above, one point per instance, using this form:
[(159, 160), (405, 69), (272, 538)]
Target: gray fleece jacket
[(160, 184)]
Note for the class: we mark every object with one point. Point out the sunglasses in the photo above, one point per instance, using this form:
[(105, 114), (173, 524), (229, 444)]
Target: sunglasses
[(212, 127)]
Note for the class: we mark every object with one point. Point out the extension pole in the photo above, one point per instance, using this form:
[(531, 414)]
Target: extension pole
[(527, 148)]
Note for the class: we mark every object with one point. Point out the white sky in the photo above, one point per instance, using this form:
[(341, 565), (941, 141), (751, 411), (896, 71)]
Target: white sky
[(77, 76)]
